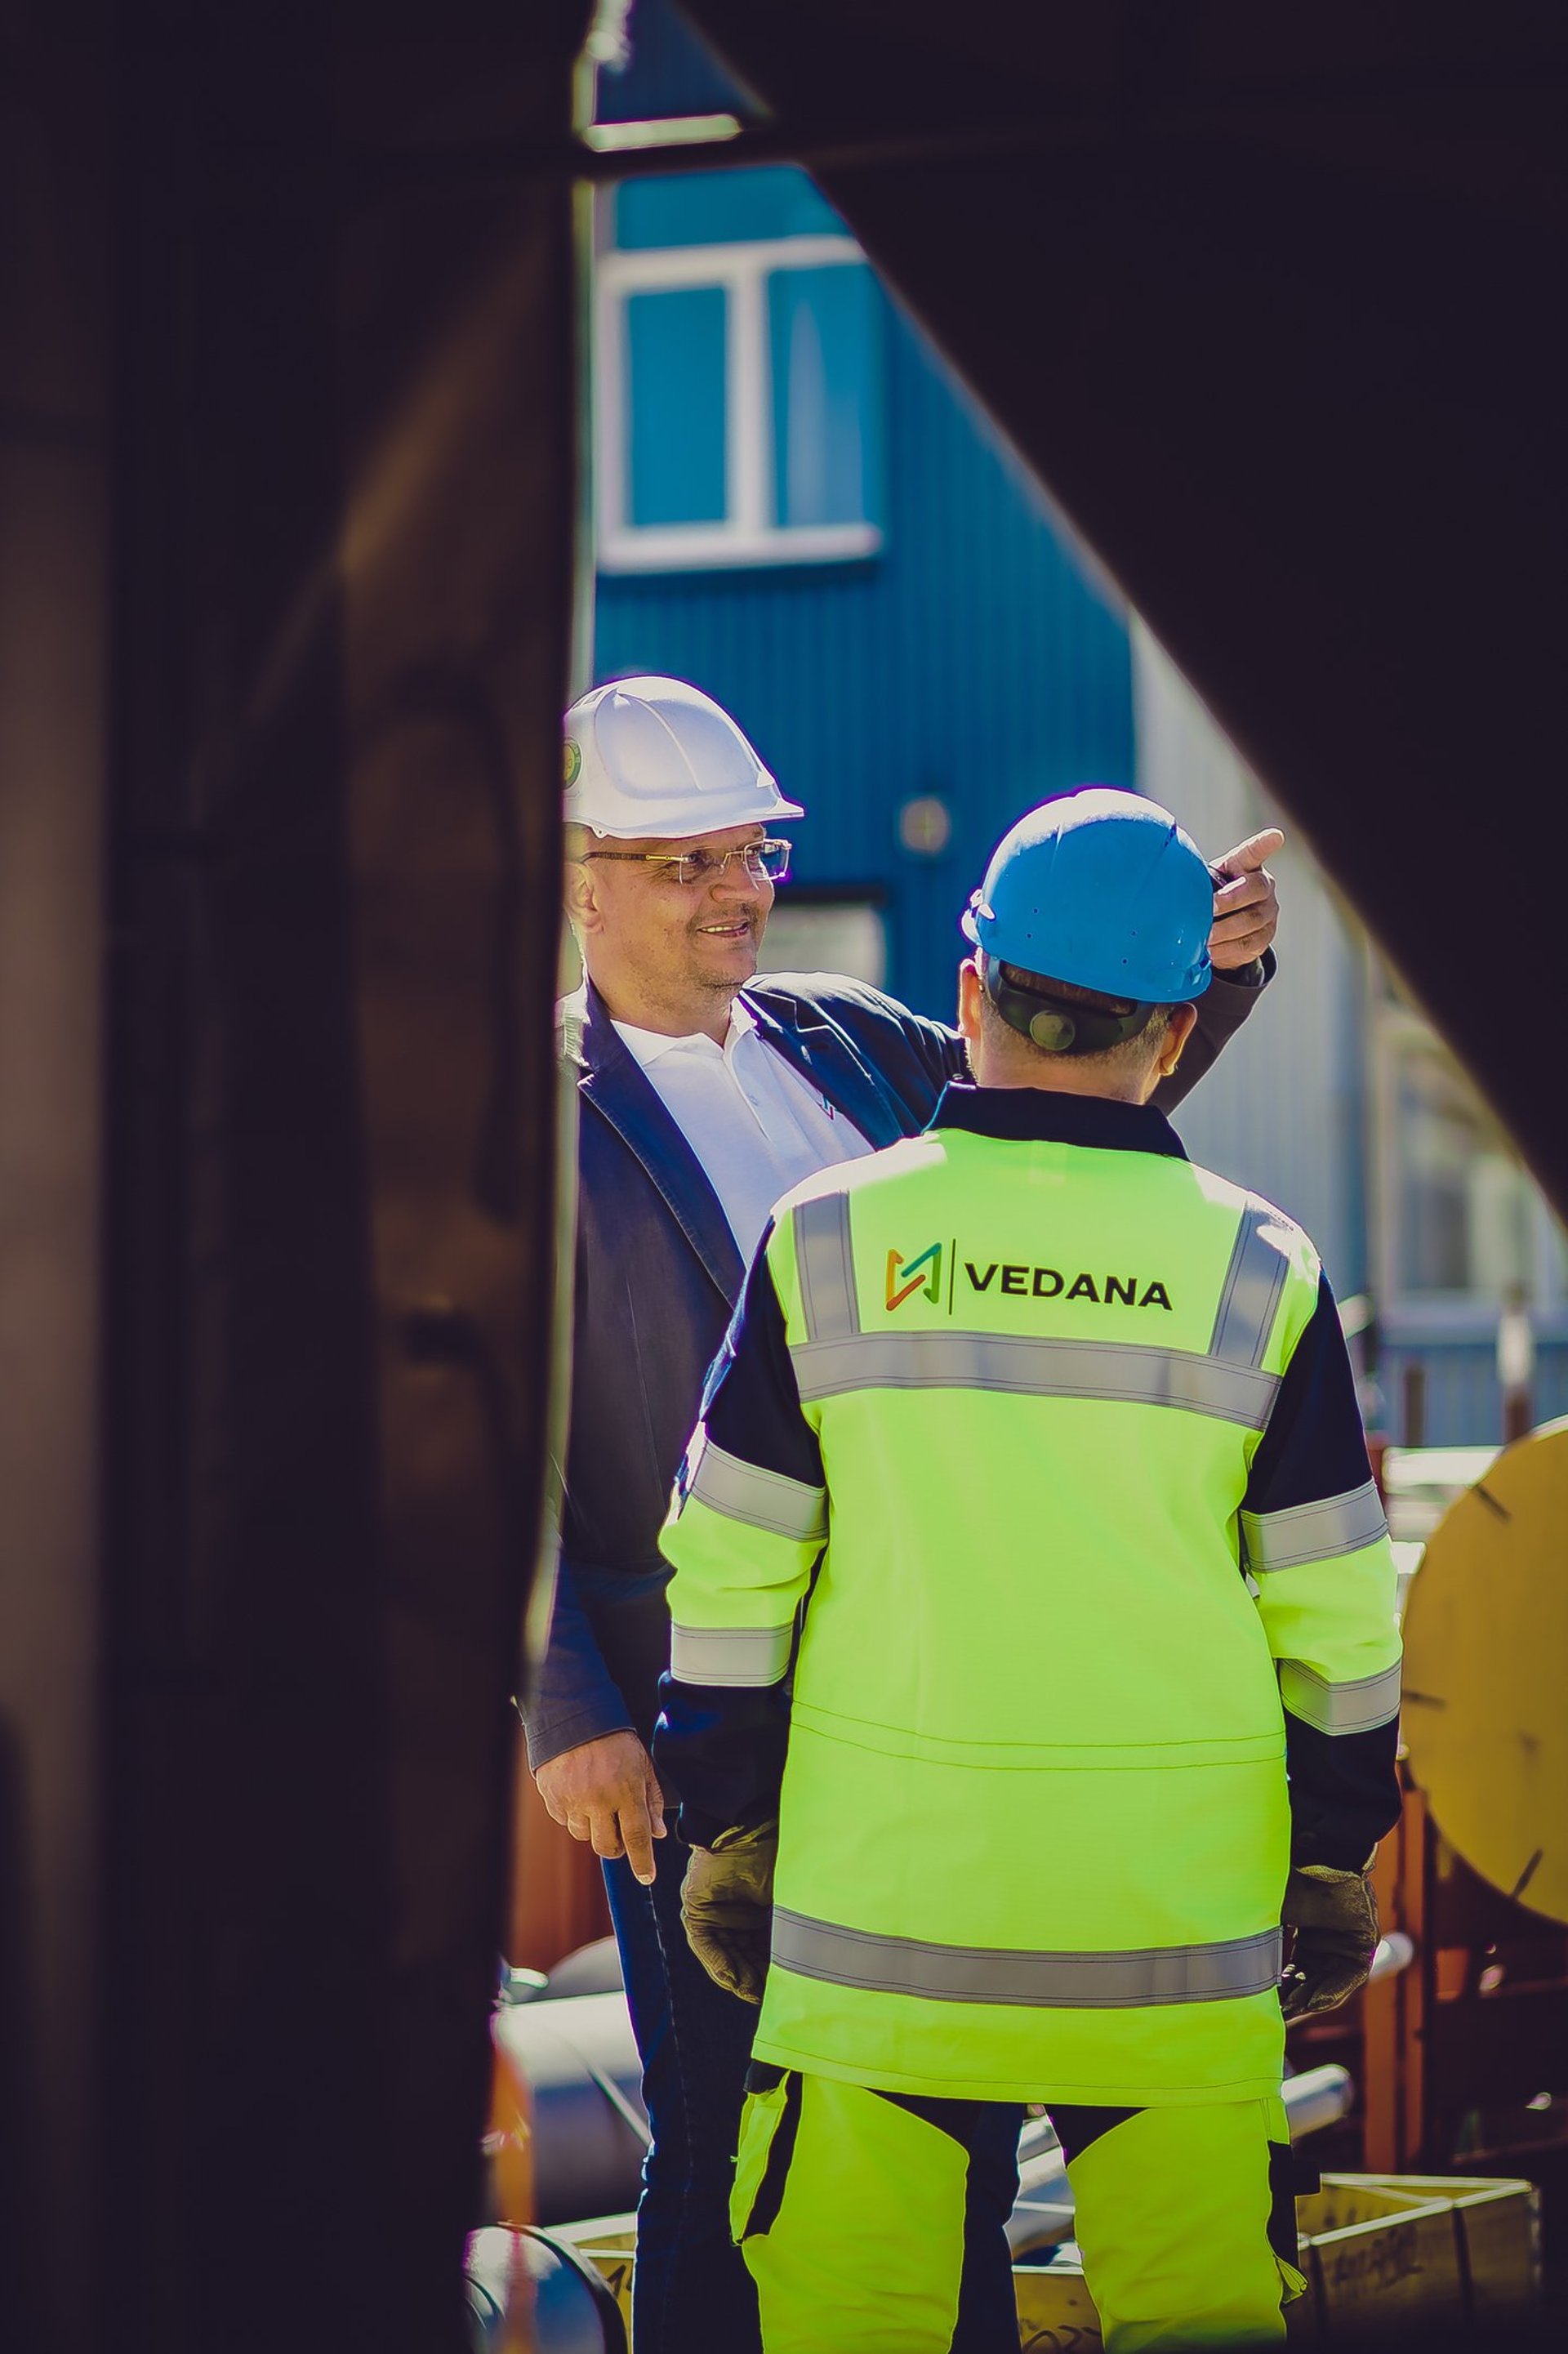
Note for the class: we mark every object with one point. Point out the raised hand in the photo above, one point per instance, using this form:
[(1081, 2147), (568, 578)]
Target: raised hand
[(1246, 905)]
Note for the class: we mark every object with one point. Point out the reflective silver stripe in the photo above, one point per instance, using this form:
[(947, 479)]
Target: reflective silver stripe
[(1111, 1981), (763, 1499), (1253, 1282), (826, 1265), (729, 1655), (1355, 1707), (1318, 1531), (1121, 1371)]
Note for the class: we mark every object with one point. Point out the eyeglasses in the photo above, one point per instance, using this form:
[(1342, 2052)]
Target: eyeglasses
[(763, 861)]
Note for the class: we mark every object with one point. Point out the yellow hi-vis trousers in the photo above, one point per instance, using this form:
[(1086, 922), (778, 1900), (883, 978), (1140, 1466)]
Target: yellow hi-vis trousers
[(874, 2223)]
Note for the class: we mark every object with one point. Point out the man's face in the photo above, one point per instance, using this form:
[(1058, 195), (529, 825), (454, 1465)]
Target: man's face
[(648, 935)]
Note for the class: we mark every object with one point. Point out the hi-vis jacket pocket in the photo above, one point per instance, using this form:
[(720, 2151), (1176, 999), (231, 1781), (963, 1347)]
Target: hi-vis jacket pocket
[(768, 2124)]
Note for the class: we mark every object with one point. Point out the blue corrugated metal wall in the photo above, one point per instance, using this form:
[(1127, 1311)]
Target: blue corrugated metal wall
[(973, 659)]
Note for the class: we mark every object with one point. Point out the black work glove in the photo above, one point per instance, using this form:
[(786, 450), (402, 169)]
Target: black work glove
[(1334, 1915), (726, 1908)]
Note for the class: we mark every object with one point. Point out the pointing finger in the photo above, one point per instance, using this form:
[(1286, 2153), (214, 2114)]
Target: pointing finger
[(637, 1830), (1249, 855)]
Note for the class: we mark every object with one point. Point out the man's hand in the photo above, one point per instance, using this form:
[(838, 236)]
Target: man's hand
[(726, 1908), (1247, 906), (1334, 1915), (606, 1792)]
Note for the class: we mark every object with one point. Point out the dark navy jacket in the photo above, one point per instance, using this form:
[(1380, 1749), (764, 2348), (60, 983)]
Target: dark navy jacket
[(658, 1274)]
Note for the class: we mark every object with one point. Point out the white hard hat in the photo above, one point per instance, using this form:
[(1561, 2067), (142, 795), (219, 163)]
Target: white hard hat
[(656, 758)]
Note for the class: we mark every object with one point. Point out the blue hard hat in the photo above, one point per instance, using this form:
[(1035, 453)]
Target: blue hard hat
[(1102, 889)]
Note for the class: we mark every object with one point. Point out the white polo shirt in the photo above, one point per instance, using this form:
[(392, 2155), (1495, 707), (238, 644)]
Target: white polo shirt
[(756, 1124)]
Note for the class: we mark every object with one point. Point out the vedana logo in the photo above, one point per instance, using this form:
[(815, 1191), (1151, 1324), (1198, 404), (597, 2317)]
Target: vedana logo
[(906, 1277), (898, 1291)]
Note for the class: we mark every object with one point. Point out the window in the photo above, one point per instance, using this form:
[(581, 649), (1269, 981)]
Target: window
[(738, 381), (1460, 1219)]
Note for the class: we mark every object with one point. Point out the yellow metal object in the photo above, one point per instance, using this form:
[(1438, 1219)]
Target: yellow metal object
[(1379, 2251), (1486, 1665)]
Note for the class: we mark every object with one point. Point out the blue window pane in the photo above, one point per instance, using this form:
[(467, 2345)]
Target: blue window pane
[(675, 400), (826, 331), (722, 208)]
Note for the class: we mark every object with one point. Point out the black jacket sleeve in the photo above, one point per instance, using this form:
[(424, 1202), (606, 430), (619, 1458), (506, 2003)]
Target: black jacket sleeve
[(572, 1697)]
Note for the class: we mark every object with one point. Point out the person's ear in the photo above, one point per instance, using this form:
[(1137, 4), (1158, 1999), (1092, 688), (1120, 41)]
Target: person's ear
[(583, 910), (971, 991), (1182, 1022)]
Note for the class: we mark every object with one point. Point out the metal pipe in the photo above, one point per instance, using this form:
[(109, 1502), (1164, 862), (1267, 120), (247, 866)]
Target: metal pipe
[(523, 2288), (585, 2080), (1394, 1952)]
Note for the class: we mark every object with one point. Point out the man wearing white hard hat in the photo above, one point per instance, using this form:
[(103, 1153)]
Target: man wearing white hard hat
[(703, 1096)]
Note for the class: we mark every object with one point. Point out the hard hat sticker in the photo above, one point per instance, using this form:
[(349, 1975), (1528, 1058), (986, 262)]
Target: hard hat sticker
[(574, 762)]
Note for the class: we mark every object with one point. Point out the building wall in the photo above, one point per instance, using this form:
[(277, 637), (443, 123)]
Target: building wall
[(1459, 1401), (1282, 1112), (665, 70), (1293, 1108), (974, 658)]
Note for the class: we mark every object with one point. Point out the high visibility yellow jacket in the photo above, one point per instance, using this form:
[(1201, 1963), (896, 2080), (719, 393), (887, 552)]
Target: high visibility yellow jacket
[(1034, 1451)]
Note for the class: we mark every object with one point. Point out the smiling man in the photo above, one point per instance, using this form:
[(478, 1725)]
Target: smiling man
[(704, 1096)]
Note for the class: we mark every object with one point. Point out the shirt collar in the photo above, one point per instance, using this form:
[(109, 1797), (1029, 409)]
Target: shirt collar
[(648, 1045), (1039, 1116)]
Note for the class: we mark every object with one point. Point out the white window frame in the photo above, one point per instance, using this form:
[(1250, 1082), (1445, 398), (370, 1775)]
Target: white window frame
[(748, 534)]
